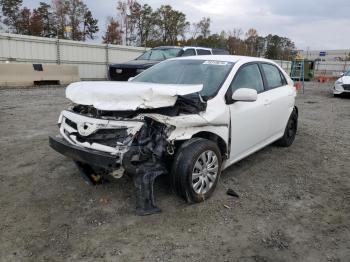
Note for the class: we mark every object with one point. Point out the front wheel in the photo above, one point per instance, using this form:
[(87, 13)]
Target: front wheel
[(290, 132), (196, 170)]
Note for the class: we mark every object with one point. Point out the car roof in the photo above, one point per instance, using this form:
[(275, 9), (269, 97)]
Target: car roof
[(197, 47), (167, 47), (181, 47), (225, 58)]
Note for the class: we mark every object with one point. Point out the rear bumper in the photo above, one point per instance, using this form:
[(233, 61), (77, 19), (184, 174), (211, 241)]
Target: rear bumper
[(88, 156)]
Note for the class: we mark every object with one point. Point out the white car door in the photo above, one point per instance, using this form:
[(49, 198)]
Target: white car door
[(249, 120), (281, 97)]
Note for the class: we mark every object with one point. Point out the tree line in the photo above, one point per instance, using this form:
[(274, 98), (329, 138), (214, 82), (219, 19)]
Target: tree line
[(140, 25), (135, 24), (66, 19)]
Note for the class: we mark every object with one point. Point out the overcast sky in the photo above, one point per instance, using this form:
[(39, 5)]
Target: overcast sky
[(317, 24)]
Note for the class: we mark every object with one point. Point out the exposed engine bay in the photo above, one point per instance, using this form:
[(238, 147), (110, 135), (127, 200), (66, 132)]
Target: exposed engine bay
[(187, 104)]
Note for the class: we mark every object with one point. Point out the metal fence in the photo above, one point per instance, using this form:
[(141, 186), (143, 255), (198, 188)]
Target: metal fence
[(321, 68), (331, 68), (286, 65), (92, 59)]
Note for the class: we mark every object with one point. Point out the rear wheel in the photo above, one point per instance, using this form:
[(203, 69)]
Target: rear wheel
[(290, 132), (196, 170)]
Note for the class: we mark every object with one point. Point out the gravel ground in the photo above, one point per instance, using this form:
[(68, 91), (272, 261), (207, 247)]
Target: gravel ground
[(294, 203)]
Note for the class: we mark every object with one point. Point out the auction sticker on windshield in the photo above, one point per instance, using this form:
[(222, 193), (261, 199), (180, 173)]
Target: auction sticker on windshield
[(215, 63)]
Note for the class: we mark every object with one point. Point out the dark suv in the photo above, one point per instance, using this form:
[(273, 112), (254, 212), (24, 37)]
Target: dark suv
[(123, 71)]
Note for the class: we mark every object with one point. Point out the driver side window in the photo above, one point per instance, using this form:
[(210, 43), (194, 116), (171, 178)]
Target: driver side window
[(248, 76)]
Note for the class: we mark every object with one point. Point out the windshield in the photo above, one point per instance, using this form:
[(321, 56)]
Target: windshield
[(160, 54), (211, 74), (347, 73)]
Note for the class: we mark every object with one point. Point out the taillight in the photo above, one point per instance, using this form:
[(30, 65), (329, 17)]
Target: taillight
[(297, 86)]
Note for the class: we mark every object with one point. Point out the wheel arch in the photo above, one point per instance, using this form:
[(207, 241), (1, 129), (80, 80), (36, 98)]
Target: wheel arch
[(296, 110), (216, 139)]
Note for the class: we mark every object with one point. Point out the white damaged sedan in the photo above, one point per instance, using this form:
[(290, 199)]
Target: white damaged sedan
[(342, 85), (187, 118)]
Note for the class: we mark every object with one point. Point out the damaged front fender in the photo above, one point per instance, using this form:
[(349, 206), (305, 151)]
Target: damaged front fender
[(141, 136), (185, 127)]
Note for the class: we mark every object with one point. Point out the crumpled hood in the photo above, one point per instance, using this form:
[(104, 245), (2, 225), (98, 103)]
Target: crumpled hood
[(122, 96)]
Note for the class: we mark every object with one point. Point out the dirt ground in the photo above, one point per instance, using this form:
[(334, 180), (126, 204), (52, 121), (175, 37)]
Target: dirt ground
[(294, 202)]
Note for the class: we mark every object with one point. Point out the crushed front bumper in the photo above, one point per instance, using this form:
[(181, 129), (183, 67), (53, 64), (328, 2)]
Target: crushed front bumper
[(85, 155)]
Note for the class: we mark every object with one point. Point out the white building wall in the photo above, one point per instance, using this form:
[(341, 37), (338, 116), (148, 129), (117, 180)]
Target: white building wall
[(92, 59), (331, 55)]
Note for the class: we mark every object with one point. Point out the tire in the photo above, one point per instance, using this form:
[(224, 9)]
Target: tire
[(188, 181), (290, 132)]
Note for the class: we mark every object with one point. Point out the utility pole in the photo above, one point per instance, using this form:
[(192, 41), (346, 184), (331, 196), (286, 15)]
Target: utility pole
[(58, 48)]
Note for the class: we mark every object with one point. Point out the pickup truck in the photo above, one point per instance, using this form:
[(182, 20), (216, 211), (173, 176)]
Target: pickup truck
[(123, 71)]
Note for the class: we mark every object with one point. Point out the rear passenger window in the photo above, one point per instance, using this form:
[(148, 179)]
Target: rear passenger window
[(203, 52), (248, 77), (189, 52), (284, 80), (273, 76)]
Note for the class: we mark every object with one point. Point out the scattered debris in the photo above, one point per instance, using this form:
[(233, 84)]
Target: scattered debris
[(230, 192), (226, 206), (105, 200)]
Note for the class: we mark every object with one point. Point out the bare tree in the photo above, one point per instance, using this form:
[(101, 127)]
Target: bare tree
[(236, 33), (195, 29), (113, 33), (252, 41), (60, 12), (122, 8), (129, 13), (204, 26), (236, 45), (36, 23)]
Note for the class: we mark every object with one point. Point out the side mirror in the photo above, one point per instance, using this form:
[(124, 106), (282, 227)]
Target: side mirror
[(342, 74), (245, 95)]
